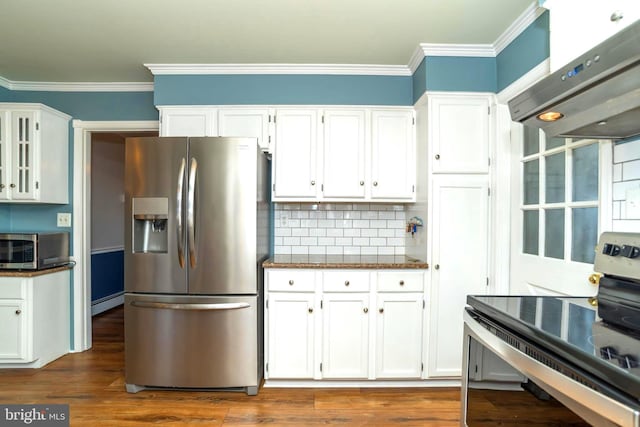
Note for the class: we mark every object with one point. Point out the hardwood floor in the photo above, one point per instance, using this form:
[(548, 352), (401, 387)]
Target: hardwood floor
[(92, 383)]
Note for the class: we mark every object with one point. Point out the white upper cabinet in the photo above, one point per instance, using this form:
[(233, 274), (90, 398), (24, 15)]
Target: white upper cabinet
[(188, 121), (295, 155), (579, 25), (344, 154), (459, 132), (393, 155), (34, 154), (253, 123)]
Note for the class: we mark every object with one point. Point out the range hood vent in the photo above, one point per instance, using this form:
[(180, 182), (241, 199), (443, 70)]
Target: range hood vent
[(597, 95)]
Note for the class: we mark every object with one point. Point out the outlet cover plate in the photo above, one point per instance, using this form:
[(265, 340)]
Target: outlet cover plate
[(64, 219)]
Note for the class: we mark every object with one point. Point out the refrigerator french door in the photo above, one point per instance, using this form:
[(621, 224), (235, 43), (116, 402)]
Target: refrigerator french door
[(197, 218)]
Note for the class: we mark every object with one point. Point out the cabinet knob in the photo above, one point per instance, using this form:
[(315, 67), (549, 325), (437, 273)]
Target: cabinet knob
[(290, 282), (381, 310), (18, 311), (375, 183), (366, 310), (1, 186), (310, 309), (346, 283), (437, 266), (313, 183), (437, 156), (401, 282), (361, 182), (616, 16), (594, 279), (12, 185)]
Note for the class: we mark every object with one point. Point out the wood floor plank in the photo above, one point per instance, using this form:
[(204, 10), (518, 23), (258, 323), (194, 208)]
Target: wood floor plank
[(92, 383)]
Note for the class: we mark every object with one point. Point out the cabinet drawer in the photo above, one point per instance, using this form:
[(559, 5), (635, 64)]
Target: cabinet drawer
[(401, 281), (291, 280), (345, 281), (11, 288)]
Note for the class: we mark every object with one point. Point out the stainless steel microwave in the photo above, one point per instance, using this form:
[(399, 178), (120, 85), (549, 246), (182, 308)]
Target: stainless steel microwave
[(33, 251)]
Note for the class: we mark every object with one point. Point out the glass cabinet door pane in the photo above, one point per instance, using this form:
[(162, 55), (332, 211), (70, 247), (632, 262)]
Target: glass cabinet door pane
[(585, 234), (554, 142), (531, 183), (531, 141), (554, 233), (530, 232), (554, 178), (585, 173)]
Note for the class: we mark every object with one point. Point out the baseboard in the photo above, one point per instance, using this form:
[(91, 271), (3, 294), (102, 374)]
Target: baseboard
[(107, 303), (359, 384)]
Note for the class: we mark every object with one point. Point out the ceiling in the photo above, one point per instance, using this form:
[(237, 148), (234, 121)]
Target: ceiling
[(110, 40)]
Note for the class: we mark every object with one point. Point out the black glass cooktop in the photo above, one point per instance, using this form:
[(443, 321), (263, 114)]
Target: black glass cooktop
[(569, 328)]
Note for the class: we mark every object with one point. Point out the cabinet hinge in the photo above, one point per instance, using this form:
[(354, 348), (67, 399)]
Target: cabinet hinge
[(269, 139), (274, 187), (267, 367), (320, 367), (487, 281), (488, 192), (37, 126), (489, 110), (413, 120), (321, 187), (269, 118), (274, 118), (37, 185), (424, 304), (422, 367), (489, 161), (476, 369), (413, 188), (320, 304), (267, 303), (323, 119)]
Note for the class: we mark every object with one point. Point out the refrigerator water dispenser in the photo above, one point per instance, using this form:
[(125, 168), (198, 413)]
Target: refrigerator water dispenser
[(150, 217)]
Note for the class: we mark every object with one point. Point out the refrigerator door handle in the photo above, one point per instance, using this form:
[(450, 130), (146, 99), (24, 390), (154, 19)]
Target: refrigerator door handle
[(195, 306), (179, 215), (191, 207)]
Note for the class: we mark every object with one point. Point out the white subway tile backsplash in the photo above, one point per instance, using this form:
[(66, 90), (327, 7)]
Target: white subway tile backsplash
[(616, 209), (339, 228), (617, 172), (626, 152), (631, 170), (620, 189), (335, 232)]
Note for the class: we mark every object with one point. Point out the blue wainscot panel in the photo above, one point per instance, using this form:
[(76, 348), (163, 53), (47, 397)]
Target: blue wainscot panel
[(107, 275), (282, 90)]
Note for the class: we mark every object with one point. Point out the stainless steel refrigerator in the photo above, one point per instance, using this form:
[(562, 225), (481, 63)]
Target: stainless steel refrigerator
[(197, 231)]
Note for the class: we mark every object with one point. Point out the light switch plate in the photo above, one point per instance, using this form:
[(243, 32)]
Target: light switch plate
[(64, 219)]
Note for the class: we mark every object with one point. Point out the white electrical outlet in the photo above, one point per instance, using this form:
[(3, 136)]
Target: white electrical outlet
[(64, 219)]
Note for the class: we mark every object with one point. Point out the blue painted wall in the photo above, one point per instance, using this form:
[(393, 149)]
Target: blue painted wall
[(461, 74), (282, 89), (107, 274), (529, 49)]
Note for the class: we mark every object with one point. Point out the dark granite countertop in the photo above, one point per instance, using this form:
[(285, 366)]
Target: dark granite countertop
[(344, 261), (33, 273)]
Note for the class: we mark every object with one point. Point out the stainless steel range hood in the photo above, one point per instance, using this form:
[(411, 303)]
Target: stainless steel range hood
[(597, 94)]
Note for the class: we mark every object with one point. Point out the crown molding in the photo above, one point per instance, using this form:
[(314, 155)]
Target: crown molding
[(78, 86), (431, 49), (518, 26), (323, 69)]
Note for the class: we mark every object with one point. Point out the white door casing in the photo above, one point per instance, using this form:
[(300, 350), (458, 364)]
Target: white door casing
[(81, 314)]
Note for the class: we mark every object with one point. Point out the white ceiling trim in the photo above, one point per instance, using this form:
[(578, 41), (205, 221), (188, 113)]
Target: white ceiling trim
[(323, 69), (78, 86), (517, 27)]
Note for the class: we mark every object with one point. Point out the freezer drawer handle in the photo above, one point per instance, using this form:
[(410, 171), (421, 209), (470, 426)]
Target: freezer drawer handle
[(200, 307)]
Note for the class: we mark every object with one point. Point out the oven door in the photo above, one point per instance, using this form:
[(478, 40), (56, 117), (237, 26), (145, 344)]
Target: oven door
[(503, 386)]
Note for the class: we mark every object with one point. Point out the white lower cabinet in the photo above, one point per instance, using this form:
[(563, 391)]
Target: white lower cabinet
[(369, 325), (34, 314)]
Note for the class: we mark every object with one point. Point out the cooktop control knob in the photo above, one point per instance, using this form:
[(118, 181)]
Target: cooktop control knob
[(629, 251), (608, 353), (628, 361), (611, 249)]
